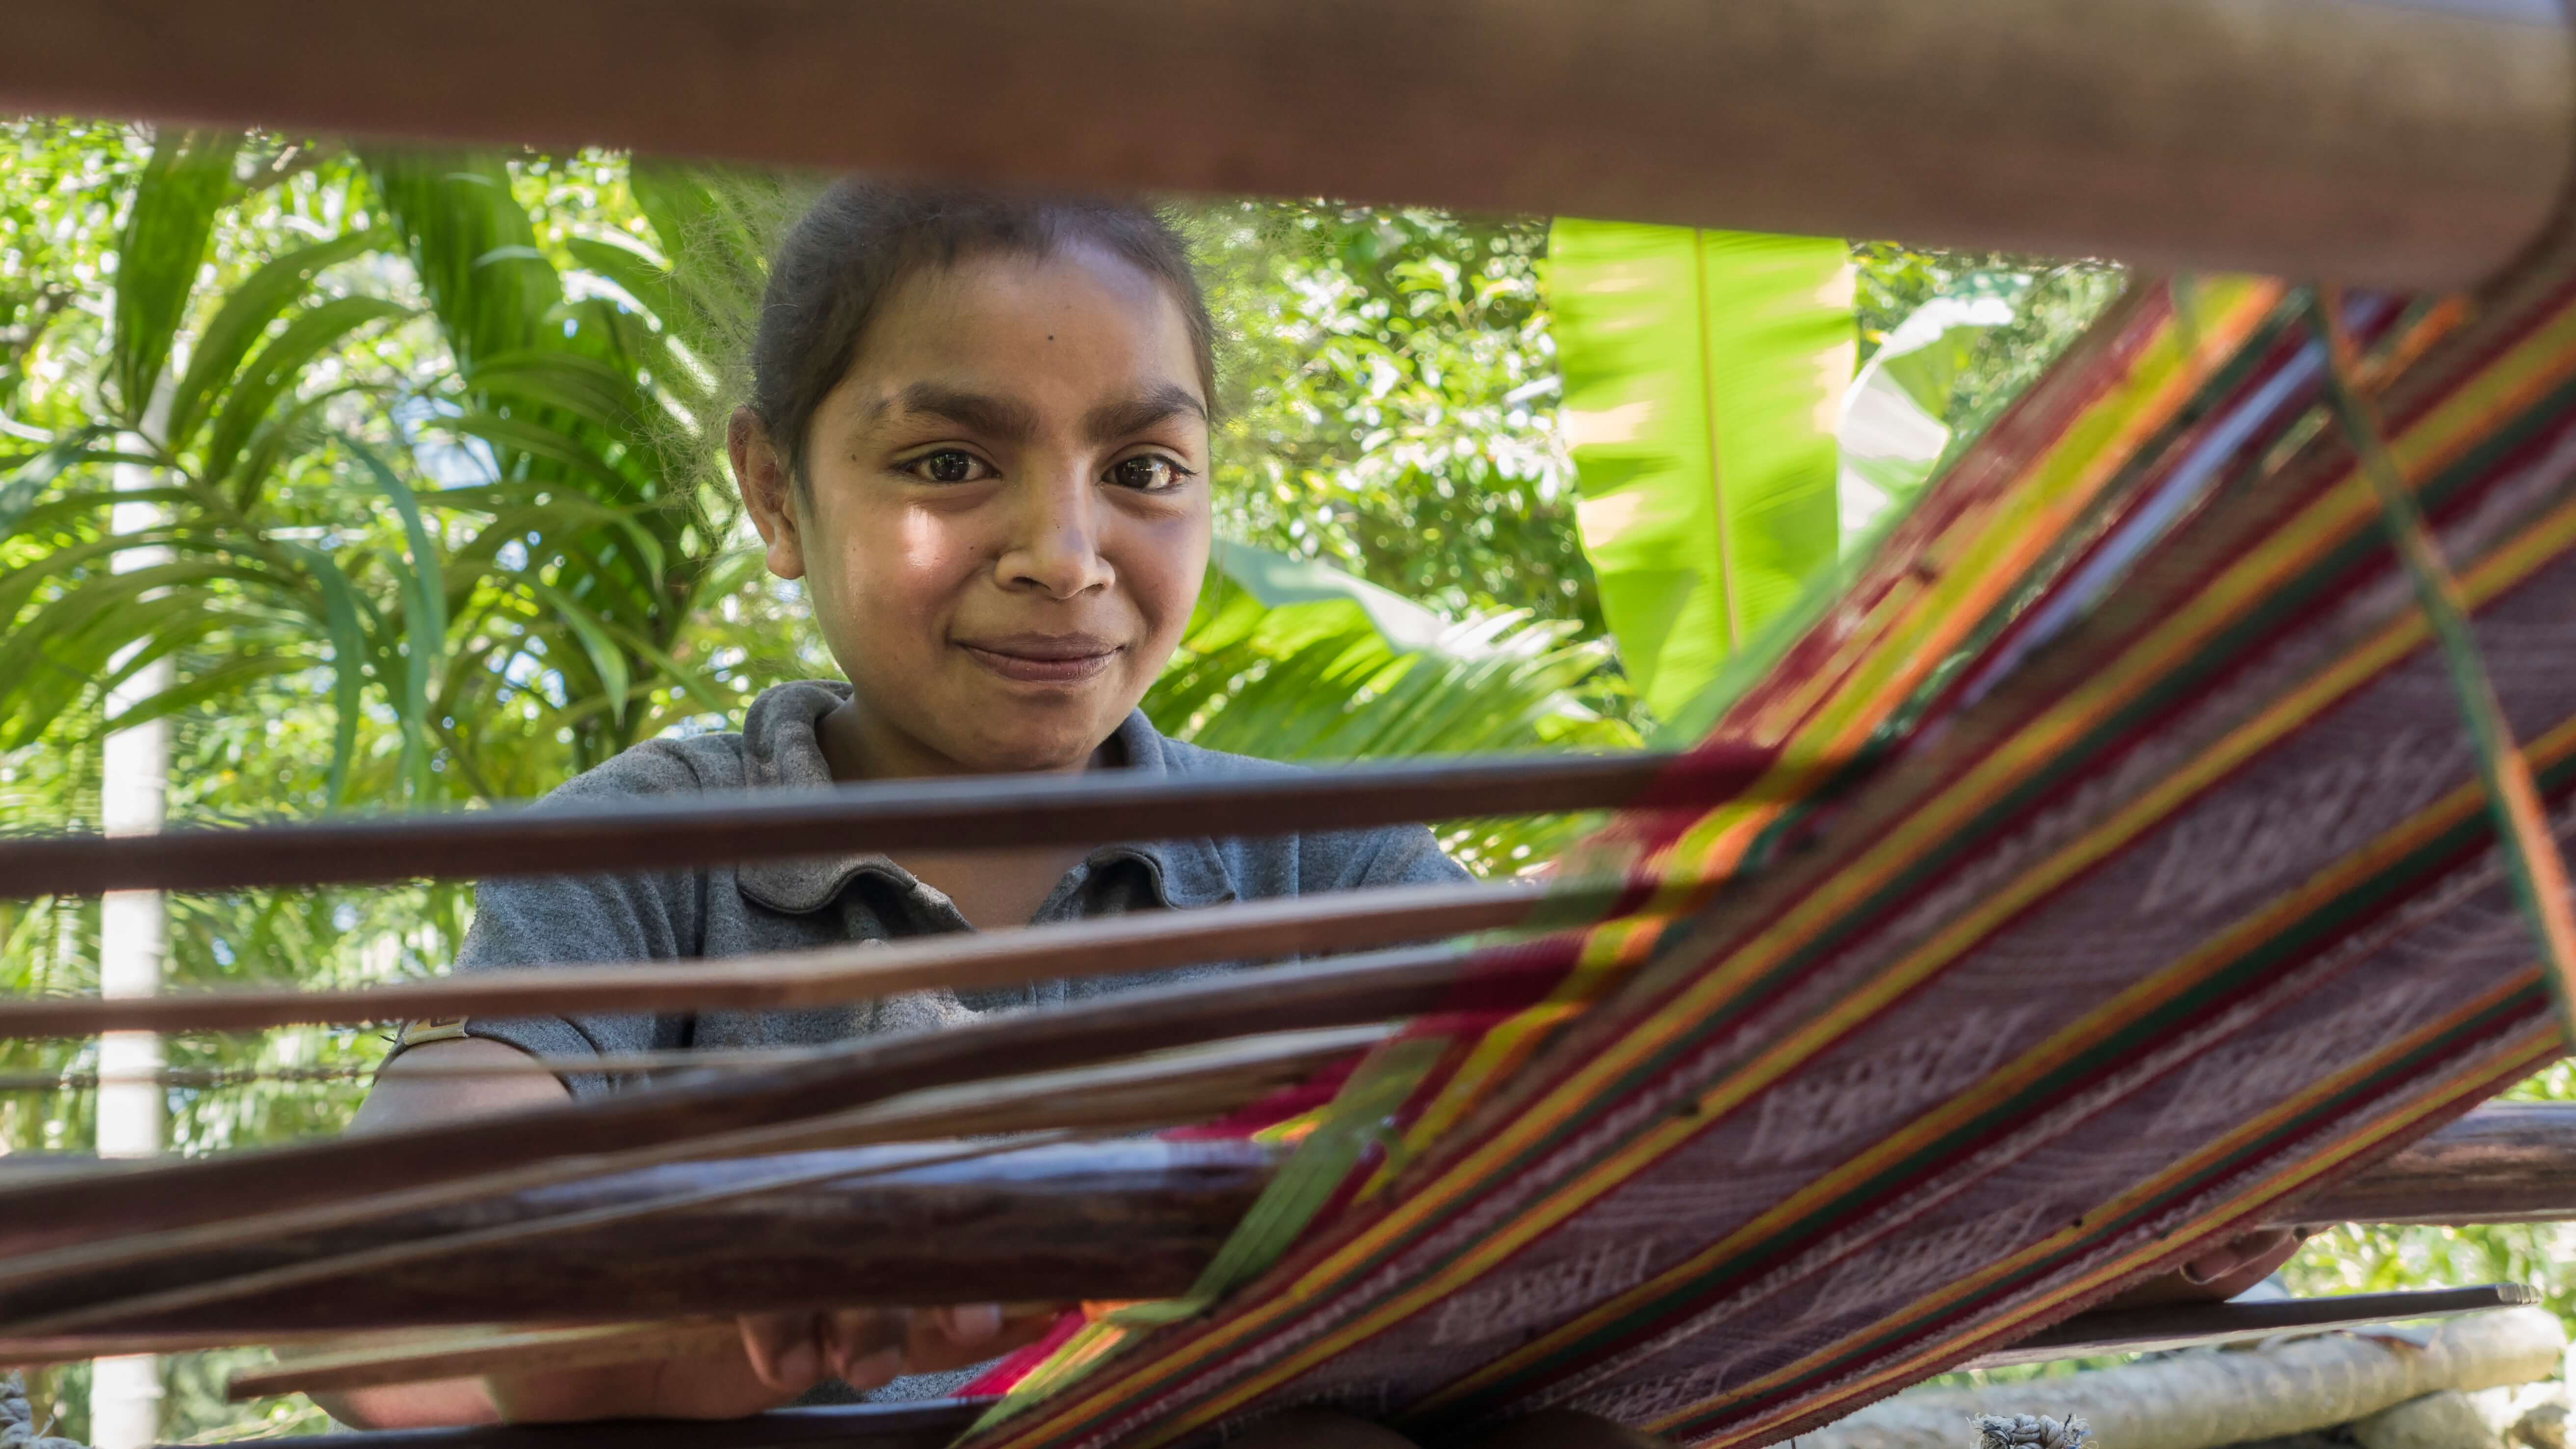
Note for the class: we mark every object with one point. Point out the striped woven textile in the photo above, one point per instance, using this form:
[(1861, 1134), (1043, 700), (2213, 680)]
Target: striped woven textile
[(2162, 891)]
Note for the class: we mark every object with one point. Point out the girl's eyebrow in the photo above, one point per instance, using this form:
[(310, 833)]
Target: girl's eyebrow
[(1111, 421), (1000, 418)]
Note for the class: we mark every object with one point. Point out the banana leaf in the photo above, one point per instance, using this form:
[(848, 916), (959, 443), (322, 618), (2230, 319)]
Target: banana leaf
[(1704, 374)]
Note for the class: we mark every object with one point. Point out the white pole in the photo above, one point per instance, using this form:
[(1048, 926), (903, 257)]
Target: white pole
[(133, 938)]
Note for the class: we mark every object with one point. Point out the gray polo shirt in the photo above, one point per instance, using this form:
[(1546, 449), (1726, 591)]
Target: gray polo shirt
[(787, 905)]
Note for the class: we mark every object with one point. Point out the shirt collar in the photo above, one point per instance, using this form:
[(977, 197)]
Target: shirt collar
[(781, 751)]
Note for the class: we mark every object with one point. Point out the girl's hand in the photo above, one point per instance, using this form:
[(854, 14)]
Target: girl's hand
[(2219, 1273), (867, 1347), (782, 1355)]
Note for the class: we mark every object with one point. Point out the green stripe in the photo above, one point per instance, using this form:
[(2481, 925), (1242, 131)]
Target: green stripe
[(2298, 940), (2519, 1003)]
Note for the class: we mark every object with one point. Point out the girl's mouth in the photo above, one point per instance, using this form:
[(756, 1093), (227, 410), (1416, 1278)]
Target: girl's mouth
[(1043, 658)]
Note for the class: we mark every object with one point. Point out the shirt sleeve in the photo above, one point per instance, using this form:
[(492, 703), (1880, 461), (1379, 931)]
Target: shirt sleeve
[(577, 920), (1405, 855)]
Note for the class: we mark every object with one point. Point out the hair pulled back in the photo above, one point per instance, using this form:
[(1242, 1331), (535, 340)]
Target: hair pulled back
[(836, 266)]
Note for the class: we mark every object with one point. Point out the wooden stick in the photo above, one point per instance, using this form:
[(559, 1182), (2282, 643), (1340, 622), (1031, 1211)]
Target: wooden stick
[(1109, 945), (72, 1222), (922, 1424), (614, 1063), (2418, 146), (476, 1353), (471, 1355), (1036, 1224), (1009, 811), (2513, 1158), (2191, 1400), (2203, 1325), (2505, 1162)]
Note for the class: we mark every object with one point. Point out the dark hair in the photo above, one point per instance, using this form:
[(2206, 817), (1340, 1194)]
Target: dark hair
[(837, 264)]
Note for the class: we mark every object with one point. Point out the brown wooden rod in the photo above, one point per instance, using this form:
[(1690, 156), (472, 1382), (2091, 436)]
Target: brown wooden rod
[(764, 1247), (2201, 1325), (2414, 145), (470, 1261), (473, 1355), (1006, 811), (61, 1222), (1110, 945), (2505, 1162), (2089, 1335), (616, 1063), (921, 1424)]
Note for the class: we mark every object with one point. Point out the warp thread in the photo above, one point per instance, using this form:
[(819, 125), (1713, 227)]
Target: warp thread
[(2031, 1431)]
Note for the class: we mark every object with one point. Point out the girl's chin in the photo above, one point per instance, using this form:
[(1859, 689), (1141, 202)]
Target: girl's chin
[(1003, 745)]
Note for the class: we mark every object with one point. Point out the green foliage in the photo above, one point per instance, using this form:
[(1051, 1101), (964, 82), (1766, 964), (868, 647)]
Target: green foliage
[(2053, 302), (1388, 403), (1294, 660), (1703, 375), (2353, 1258), (189, 176), (1892, 435)]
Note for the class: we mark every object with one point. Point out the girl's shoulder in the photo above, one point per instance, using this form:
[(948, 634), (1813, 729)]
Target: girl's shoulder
[(1305, 863), (776, 746)]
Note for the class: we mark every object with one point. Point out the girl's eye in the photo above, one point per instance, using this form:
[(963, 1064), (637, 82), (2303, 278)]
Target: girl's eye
[(949, 465), (1148, 473)]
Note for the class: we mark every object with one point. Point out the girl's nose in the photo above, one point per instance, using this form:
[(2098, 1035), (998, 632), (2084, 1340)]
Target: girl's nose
[(1055, 539)]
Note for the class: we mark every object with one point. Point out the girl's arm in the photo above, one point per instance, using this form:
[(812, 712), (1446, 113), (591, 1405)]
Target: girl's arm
[(782, 1356)]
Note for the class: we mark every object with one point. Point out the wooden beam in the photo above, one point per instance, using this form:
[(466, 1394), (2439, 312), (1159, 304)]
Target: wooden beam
[(2419, 146), (472, 1355), (924, 1424), (751, 1229), (1109, 945), (2505, 1162), (68, 1222), (2206, 1325), (812, 1231), (983, 812)]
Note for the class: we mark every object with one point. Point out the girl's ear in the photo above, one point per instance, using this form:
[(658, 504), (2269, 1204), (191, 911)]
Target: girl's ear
[(767, 492)]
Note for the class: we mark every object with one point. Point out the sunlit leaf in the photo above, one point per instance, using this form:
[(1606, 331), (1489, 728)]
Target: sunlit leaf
[(247, 311), (159, 252), (1704, 373)]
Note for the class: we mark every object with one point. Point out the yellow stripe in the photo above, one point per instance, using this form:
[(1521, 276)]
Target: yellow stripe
[(1994, 1089), (1988, 543), (2394, 642), (1994, 547), (2293, 546), (2535, 1046), (2536, 365)]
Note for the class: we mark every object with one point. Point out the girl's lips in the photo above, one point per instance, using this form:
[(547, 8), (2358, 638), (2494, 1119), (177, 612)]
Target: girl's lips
[(1041, 664)]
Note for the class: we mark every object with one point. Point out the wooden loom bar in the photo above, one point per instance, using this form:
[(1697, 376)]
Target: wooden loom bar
[(921, 1424), (66, 1221), (963, 814), (2087, 1335), (2505, 1162), (815, 1234), (912, 1225), (1109, 945), (468, 1259), (2200, 1325), (2414, 146), (591, 1346)]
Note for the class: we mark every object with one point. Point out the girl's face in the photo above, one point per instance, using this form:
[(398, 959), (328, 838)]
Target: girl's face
[(1005, 517)]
